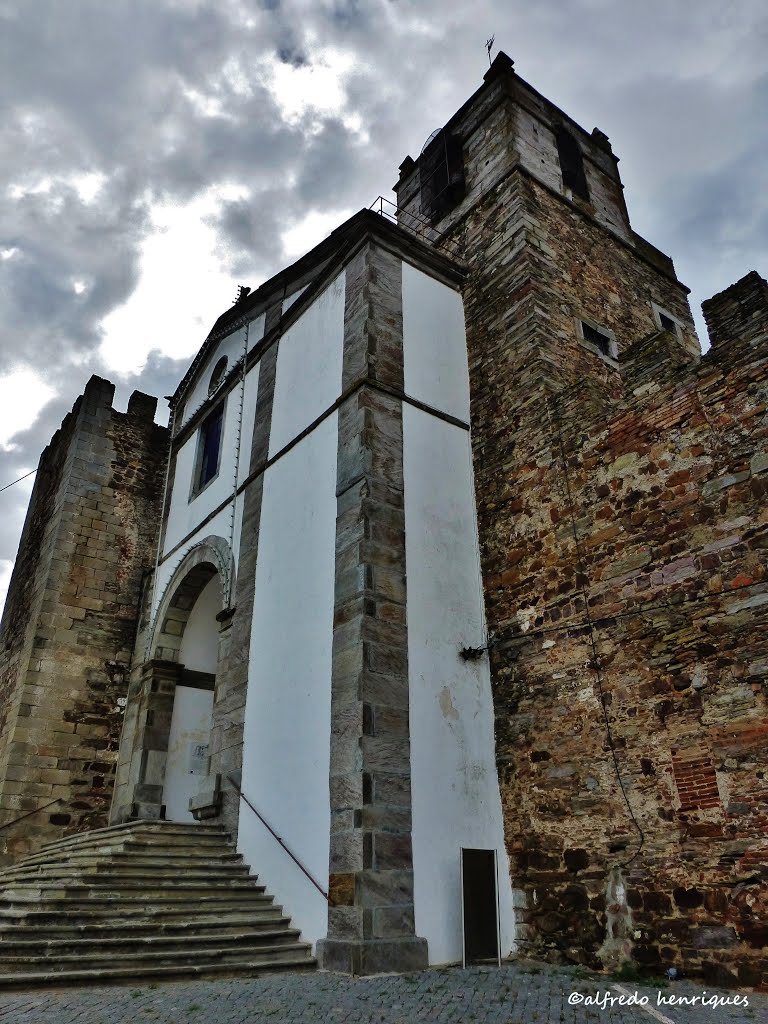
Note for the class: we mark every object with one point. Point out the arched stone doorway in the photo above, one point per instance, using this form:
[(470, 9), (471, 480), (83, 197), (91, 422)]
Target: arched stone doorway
[(191, 719), (168, 719)]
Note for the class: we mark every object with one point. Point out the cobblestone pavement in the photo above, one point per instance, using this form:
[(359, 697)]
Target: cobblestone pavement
[(516, 993)]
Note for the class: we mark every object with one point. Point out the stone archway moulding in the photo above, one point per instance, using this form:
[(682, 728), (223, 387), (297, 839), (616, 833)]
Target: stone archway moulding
[(146, 730), (210, 557)]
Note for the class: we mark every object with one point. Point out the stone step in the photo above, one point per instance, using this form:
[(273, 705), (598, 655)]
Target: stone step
[(178, 841), (113, 935), (161, 920), (94, 960), (134, 855), (122, 907), (47, 887), (137, 901), (152, 853), (130, 893), (168, 830), (246, 968), (212, 845), (126, 870)]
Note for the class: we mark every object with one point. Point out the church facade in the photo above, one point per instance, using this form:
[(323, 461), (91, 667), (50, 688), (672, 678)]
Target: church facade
[(455, 540)]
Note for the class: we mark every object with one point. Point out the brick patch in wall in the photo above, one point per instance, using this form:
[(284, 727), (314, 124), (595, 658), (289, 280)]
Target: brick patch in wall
[(695, 778)]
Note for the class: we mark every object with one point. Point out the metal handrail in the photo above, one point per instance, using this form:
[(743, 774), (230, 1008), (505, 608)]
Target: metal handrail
[(416, 224), (28, 814), (272, 832)]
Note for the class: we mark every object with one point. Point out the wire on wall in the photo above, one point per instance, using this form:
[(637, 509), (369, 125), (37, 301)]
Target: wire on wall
[(581, 565), (485, 640), (238, 440), (160, 533)]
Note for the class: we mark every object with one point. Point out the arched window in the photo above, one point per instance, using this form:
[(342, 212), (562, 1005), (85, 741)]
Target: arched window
[(571, 163), (208, 450), (218, 374)]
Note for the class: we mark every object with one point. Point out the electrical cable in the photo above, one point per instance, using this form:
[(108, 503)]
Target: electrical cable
[(160, 534), (238, 443), (18, 480), (592, 639)]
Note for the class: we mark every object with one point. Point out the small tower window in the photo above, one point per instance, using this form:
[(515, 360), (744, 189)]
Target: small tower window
[(571, 163), (208, 450), (218, 374), (598, 339), (665, 321)]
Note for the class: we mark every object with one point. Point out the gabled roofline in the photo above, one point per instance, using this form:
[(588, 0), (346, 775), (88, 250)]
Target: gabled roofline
[(332, 250)]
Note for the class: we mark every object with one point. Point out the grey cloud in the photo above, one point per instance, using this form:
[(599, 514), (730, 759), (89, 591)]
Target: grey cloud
[(251, 229), (334, 153), (289, 55), (351, 14), (45, 317), (159, 377)]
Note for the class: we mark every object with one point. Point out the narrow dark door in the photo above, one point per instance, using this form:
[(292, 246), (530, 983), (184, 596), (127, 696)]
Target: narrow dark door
[(481, 918)]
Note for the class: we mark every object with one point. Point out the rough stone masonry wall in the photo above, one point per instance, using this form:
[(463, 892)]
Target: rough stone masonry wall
[(70, 617), (589, 273), (624, 549)]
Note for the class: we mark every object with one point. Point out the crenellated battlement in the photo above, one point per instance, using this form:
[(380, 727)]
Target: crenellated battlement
[(69, 620), (739, 314)]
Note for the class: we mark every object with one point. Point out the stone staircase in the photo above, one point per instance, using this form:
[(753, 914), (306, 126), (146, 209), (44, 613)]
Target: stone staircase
[(140, 901)]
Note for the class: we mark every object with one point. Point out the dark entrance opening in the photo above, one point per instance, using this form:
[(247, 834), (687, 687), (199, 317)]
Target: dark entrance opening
[(480, 906)]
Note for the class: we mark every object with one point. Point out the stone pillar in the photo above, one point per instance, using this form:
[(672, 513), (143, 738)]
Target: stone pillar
[(158, 691), (371, 910)]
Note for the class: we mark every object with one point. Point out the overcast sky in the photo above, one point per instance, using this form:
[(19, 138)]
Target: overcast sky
[(157, 153)]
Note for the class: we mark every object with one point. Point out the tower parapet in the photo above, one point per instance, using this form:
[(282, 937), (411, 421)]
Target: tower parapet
[(738, 314), (70, 617)]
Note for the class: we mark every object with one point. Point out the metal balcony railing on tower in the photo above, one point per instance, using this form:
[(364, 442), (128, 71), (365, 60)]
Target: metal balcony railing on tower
[(417, 225)]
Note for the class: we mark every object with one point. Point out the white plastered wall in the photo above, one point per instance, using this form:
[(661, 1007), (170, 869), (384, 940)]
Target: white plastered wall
[(455, 792), (289, 300), (200, 641), (309, 360), (286, 755), (218, 526), (435, 351), (249, 414), (187, 519)]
